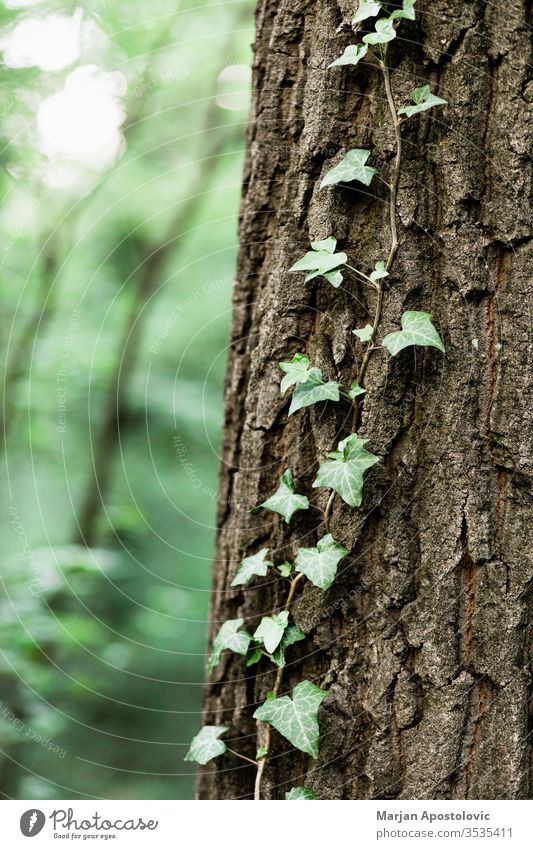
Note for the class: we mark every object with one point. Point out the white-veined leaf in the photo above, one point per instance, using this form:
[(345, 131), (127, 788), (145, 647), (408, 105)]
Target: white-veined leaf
[(417, 329), (206, 745), (285, 500), (320, 564), (256, 564), (297, 718), (351, 167), (344, 472)]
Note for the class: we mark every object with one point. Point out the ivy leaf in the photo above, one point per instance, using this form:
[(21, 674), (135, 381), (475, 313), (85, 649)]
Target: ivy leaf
[(312, 392), (322, 261), (250, 566), (379, 272), (206, 745), (296, 371), (271, 630), (344, 472), (351, 167), (229, 637), (299, 793), (355, 389), (384, 32), (417, 329), (327, 245), (297, 718), (366, 9), (320, 564), (351, 56), (285, 569), (423, 99), (364, 333), (285, 500), (407, 11), (255, 655), (262, 752), (292, 635)]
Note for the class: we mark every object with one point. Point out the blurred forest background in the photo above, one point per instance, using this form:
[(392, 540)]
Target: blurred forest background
[(122, 147)]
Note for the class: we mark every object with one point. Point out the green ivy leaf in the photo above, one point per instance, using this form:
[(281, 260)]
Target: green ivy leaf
[(327, 245), (364, 333), (285, 500), (322, 261), (312, 392), (229, 637), (320, 564), (356, 390), (366, 9), (407, 11), (296, 371), (206, 745), (423, 99), (271, 630), (256, 564), (351, 167), (344, 472), (255, 656), (379, 272), (351, 56), (261, 753), (292, 635), (384, 32), (417, 329), (299, 793), (285, 569), (297, 718)]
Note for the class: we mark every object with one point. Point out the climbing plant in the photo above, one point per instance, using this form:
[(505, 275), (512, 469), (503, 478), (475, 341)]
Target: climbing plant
[(342, 473)]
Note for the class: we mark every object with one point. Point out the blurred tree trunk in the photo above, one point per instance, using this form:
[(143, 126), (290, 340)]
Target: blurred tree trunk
[(424, 639)]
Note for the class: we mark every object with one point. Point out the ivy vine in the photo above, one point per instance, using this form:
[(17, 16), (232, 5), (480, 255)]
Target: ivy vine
[(342, 473)]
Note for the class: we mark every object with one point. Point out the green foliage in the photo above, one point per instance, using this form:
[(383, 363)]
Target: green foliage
[(344, 472), (229, 637), (296, 719), (364, 333), (351, 56), (285, 500), (299, 793), (314, 391), (379, 272), (254, 656), (293, 634), (417, 329), (407, 11), (366, 9), (356, 390), (285, 569), (383, 33), (422, 99), (352, 167), (322, 261), (296, 371), (271, 629), (206, 745), (255, 564), (320, 564)]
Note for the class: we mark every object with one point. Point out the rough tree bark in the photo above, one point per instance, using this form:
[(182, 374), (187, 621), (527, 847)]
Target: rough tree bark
[(424, 640)]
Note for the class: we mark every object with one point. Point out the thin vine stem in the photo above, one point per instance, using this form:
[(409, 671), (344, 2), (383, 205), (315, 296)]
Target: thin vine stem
[(242, 757), (265, 742), (393, 214)]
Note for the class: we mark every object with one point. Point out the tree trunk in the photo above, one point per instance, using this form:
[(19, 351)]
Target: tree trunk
[(424, 639)]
